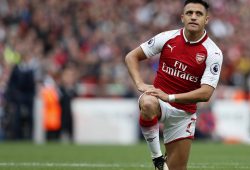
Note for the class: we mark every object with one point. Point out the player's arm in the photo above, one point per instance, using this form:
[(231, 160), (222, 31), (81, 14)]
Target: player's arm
[(132, 60), (201, 94), (146, 50)]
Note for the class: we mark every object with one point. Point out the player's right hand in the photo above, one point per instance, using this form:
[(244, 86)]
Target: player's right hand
[(144, 87)]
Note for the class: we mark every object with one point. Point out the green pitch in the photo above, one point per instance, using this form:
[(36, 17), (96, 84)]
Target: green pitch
[(57, 156)]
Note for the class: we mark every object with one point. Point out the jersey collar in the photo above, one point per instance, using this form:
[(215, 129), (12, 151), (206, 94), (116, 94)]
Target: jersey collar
[(202, 39)]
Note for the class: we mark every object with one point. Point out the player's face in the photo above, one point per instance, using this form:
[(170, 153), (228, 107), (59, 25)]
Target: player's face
[(194, 17)]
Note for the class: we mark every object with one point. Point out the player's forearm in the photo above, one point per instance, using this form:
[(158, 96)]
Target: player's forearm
[(202, 94)]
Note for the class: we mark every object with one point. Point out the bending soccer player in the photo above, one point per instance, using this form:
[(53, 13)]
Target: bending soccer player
[(189, 70)]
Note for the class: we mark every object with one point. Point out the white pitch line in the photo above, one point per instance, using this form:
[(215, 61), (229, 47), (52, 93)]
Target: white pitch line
[(89, 165), (103, 165)]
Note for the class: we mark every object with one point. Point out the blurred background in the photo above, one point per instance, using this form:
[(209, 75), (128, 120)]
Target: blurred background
[(62, 72)]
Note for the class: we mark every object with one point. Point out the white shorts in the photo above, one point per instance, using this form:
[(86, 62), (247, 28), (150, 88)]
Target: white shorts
[(178, 124)]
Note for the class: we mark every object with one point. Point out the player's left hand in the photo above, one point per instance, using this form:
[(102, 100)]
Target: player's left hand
[(158, 93)]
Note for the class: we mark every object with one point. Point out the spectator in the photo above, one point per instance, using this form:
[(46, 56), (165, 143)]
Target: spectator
[(66, 94), (20, 94)]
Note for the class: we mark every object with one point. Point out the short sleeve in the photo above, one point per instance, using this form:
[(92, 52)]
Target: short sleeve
[(156, 43), (212, 71)]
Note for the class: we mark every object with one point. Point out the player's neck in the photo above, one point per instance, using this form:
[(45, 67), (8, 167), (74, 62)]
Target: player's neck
[(193, 36)]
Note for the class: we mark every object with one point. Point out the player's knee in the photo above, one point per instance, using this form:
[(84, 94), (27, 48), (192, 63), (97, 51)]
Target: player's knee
[(149, 105), (148, 102)]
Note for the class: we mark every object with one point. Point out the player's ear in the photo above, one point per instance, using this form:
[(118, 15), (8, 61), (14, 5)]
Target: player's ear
[(207, 19), (182, 18)]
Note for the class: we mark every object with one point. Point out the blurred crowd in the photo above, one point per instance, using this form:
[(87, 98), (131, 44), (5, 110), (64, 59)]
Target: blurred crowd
[(80, 45)]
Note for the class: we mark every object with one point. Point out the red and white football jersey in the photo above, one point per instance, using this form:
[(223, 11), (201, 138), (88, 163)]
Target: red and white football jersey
[(184, 65)]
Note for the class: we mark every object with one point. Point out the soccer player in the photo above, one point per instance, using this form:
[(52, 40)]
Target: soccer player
[(188, 72)]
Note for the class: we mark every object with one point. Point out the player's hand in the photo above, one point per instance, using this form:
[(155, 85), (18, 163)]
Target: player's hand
[(158, 93), (144, 87)]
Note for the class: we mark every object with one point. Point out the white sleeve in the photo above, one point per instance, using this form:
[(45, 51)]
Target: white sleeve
[(211, 74), (155, 44)]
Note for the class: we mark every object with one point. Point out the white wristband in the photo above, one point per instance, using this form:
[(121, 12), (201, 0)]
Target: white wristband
[(171, 98)]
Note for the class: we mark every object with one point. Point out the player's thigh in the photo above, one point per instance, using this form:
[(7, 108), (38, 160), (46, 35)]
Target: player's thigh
[(178, 153)]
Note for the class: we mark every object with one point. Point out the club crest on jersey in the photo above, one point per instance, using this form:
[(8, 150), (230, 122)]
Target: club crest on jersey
[(200, 58), (151, 42)]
